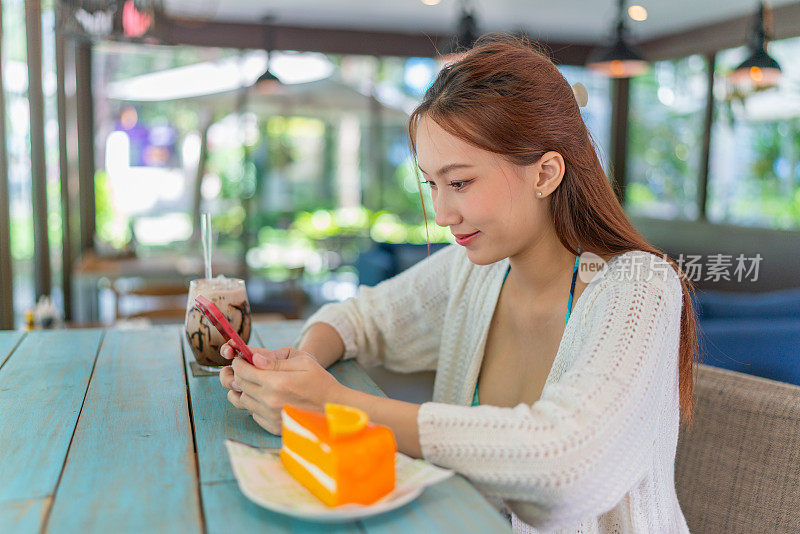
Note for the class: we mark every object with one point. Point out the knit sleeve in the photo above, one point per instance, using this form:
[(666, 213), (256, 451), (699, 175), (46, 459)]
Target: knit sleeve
[(398, 322), (590, 438)]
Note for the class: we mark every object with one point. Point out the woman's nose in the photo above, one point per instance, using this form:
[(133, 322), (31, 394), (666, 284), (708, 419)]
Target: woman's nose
[(445, 216)]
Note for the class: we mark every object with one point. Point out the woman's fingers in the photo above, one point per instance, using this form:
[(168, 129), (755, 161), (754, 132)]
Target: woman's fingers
[(275, 354), (248, 403), (241, 382), (273, 427), (275, 360), (241, 401), (234, 398), (226, 351), (226, 377)]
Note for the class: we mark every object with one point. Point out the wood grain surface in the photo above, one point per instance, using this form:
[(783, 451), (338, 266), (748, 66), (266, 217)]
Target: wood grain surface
[(131, 464)]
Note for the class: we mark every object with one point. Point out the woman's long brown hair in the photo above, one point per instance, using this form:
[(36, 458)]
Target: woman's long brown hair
[(507, 97)]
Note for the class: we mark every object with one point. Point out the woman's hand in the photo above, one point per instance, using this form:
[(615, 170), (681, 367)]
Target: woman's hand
[(278, 377), (226, 373)]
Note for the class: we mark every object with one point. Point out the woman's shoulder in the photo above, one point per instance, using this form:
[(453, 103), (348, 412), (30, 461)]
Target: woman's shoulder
[(638, 266), (633, 276)]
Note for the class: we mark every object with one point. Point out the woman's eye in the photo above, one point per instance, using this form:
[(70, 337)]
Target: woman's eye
[(458, 186)]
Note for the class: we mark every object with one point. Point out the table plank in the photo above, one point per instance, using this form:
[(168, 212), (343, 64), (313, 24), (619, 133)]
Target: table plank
[(9, 339), (23, 516), (131, 465), (42, 388)]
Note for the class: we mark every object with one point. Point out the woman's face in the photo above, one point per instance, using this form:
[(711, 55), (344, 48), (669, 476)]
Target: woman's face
[(474, 190)]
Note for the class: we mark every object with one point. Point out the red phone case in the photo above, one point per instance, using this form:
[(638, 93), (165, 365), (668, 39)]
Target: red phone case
[(215, 317)]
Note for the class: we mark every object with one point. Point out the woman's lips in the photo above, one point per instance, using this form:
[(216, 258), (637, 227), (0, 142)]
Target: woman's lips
[(467, 239)]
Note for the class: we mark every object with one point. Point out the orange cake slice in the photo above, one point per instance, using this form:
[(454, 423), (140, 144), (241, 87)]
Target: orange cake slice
[(338, 456)]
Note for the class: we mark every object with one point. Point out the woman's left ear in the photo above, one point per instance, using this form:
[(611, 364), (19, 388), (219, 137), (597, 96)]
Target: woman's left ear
[(549, 172)]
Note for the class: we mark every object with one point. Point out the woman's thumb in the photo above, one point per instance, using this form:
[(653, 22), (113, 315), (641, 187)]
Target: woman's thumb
[(268, 358)]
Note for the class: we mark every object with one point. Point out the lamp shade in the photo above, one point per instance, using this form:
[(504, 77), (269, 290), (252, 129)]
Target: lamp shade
[(267, 83), (759, 70), (267, 77), (617, 61)]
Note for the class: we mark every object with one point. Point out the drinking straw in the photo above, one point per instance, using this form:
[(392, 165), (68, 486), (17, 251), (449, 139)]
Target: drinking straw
[(205, 229)]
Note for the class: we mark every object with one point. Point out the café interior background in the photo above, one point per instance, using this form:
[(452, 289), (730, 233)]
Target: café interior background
[(124, 121)]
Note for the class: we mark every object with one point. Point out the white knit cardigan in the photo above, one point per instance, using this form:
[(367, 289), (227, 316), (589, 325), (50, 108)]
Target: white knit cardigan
[(596, 453)]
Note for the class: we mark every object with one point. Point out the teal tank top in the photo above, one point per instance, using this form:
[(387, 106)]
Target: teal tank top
[(475, 400)]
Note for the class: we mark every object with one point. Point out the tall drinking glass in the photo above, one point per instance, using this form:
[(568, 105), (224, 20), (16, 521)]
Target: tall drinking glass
[(230, 296)]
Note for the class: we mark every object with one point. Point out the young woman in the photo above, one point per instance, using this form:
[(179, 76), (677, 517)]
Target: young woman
[(559, 396)]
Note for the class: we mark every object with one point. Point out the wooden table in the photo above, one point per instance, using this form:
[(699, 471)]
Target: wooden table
[(109, 431)]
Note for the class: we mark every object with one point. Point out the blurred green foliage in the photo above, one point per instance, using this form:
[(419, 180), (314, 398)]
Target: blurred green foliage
[(380, 226), (665, 138), (111, 226)]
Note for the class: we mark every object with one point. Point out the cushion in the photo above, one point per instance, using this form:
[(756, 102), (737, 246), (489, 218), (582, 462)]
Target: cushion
[(737, 467)]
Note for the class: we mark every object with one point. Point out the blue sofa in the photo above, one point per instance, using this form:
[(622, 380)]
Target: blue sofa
[(753, 333), (784, 303), (385, 260)]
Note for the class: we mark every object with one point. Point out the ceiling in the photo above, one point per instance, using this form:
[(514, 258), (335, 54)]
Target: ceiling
[(584, 21)]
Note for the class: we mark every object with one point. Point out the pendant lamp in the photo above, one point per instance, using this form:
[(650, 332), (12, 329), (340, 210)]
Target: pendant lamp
[(619, 60), (267, 83), (759, 70)]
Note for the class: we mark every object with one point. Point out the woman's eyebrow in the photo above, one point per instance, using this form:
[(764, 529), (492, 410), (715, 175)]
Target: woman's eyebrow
[(447, 168)]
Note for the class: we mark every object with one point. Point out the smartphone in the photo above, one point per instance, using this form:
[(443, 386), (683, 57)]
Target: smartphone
[(215, 317)]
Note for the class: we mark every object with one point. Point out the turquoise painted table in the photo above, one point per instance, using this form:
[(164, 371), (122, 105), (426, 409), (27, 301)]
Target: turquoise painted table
[(109, 431)]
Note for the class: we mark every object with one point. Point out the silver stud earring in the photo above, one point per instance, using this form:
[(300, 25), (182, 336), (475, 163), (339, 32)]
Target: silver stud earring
[(539, 193)]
